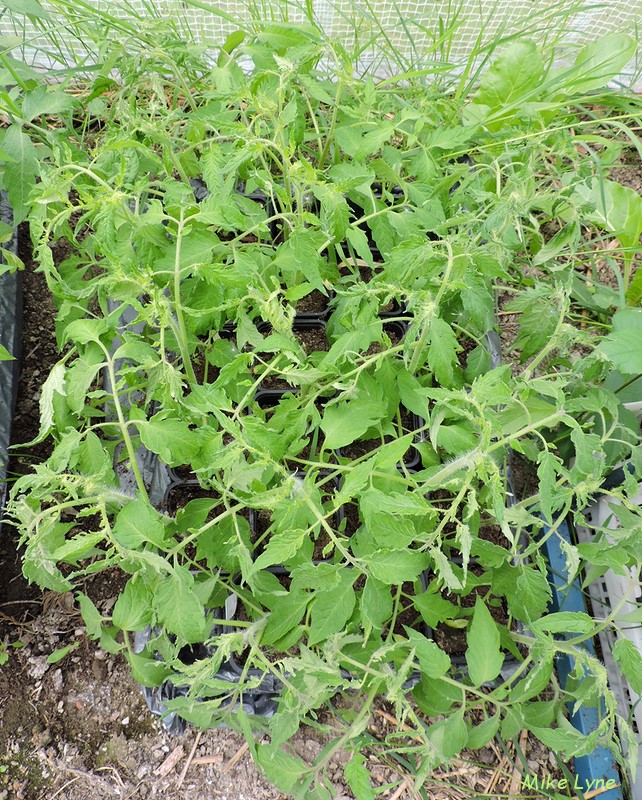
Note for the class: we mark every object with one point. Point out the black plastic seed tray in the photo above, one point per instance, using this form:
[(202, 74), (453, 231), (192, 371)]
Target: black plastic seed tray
[(10, 339)]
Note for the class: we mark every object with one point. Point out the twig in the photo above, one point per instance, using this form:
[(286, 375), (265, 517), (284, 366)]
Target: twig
[(494, 778), (134, 790), (235, 758), (596, 792), (171, 761), (189, 759), (515, 782), (115, 771), (62, 788), (21, 603), (405, 784), (394, 721), (216, 758)]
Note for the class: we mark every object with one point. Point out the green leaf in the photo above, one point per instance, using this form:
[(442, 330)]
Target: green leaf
[(19, 173), (567, 741), (634, 292), (396, 566), (177, 606), (531, 411), (343, 423), (481, 733), (623, 347), (618, 209), (450, 137), (511, 77), (531, 596), (83, 331), (564, 241), (536, 680), (449, 736), (170, 439), (283, 769), (436, 695), (348, 176), (404, 504), (147, 671), (537, 321), (564, 622), (376, 603), (93, 458), (456, 439), (80, 546), (133, 609), (630, 660), (138, 523), (61, 652), (433, 662), (30, 8), (287, 611), (299, 256), (391, 453), (358, 778), (331, 610), (599, 62), (55, 384), (483, 656), (230, 44), (413, 394), (91, 616), (282, 546), (6, 234), (81, 375), (478, 303), (434, 608), (335, 212), (442, 351), (9, 262), (5, 355), (46, 100), (355, 480)]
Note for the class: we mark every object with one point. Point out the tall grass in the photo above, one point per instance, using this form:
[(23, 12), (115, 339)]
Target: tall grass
[(448, 45)]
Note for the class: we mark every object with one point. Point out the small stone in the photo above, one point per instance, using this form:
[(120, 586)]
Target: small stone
[(39, 666), (124, 721), (57, 681)]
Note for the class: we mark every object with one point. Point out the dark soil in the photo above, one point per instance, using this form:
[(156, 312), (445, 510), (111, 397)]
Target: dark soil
[(179, 496), (314, 303), (39, 355), (361, 448), (408, 616), (394, 332), (353, 521), (312, 340)]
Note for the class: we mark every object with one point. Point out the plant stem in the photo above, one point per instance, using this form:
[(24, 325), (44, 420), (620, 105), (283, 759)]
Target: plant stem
[(182, 338)]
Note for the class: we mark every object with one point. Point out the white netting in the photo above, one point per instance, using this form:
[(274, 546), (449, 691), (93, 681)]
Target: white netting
[(414, 30)]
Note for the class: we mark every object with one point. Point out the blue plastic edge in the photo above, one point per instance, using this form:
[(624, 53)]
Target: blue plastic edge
[(600, 765)]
